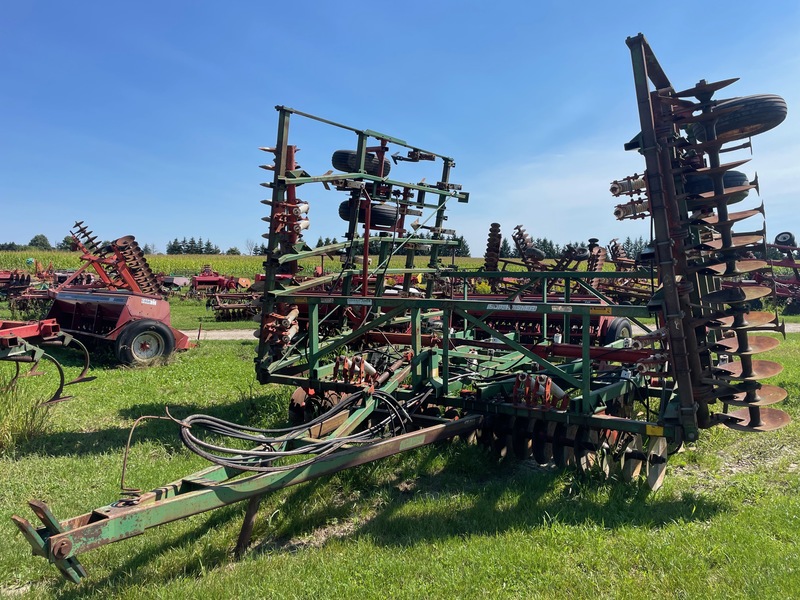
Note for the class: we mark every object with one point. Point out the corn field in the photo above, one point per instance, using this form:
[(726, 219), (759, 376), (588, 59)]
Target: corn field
[(191, 264)]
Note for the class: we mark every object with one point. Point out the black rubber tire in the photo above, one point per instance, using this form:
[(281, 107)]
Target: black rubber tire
[(758, 113), (619, 328), (345, 160), (701, 184), (381, 215), (534, 253), (144, 342), (580, 253), (785, 238)]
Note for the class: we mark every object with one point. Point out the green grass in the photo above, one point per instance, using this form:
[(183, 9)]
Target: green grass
[(440, 522), (190, 314)]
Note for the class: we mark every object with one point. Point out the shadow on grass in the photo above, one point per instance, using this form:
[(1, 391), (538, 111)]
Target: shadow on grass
[(470, 496), (475, 496)]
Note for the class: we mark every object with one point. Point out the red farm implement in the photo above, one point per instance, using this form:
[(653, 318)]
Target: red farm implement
[(22, 348), (114, 297)]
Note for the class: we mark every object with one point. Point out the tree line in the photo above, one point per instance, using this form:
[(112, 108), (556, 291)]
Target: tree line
[(196, 246), (40, 242), (422, 249)]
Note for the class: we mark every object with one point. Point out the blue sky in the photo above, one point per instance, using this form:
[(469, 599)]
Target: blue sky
[(145, 118)]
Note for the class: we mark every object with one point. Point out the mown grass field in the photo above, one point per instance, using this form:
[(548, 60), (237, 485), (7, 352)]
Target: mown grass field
[(442, 522), (449, 521)]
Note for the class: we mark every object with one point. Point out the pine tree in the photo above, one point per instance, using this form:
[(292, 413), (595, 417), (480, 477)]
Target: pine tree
[(505, 249), (464, 248)]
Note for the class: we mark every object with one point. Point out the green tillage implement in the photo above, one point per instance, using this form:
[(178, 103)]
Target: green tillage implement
[(386, 358)]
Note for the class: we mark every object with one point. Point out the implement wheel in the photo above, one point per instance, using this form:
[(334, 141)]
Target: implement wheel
[(144, 342), (620, 328), (381, 215), (345, 160), (756, 114)]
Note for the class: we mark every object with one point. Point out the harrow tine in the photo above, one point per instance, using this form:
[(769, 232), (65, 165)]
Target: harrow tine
[(83, 376), (57, 395)]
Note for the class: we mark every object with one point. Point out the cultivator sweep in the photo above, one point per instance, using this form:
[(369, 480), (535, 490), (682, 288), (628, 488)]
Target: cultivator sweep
[(380, 367), (23, 343)]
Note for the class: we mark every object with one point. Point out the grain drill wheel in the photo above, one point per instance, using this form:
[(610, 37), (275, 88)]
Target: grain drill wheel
[(785, 238), (144, 342), (619, 329)]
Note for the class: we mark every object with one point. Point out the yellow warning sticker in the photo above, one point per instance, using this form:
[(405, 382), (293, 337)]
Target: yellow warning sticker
[(654, 430), (600, 310)]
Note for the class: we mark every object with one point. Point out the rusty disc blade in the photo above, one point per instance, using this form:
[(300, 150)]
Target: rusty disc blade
[(740, 267), (656, 465), (542, 446), (563, 444), (714, 170), (522, 438), (734, 217), (770, 420), (755, 345), (710, 200), (751, 320), (736, 295), (705, 88), (631, 465), (738, 241), (761, 369), (587, 445), (766, 395)]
